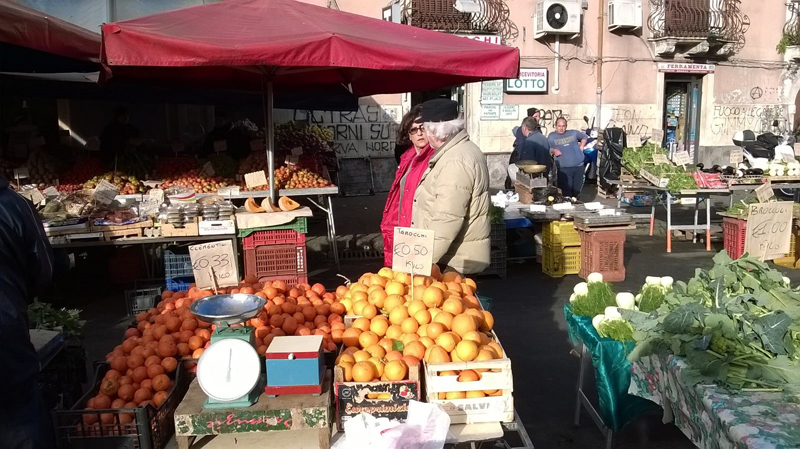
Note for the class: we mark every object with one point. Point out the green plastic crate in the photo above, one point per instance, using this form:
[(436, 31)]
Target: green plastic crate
[(486, 302), (300, 224)]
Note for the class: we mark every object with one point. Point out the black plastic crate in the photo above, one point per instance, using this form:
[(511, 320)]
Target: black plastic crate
[(497, 265), (497, 236), (149, 427)]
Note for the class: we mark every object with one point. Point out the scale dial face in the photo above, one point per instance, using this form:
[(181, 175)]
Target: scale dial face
[(228, 369)]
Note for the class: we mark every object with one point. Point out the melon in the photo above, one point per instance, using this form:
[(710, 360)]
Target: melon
[(251, 206), (287, 204), (268, 206)]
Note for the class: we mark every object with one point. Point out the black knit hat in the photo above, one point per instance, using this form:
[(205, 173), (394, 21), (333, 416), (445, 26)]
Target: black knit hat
[(439, 110)]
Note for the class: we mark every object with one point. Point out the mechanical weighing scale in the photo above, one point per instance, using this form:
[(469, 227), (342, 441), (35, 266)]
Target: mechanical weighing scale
[(229, 369)]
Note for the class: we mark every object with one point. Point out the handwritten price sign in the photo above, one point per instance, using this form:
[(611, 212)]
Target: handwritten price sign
[(412, 251), (769, 227), (217, 259)]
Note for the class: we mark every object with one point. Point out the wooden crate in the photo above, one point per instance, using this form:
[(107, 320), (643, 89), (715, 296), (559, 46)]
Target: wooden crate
[(112, 228), (188, 230), (122, 234), (352, 398), (498, 408)]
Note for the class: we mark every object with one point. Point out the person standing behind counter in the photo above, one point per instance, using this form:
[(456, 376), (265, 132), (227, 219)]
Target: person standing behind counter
[(567, 147)]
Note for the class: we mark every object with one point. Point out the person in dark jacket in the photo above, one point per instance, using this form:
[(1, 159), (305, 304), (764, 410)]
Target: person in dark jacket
[(25, 269), (535, 146)]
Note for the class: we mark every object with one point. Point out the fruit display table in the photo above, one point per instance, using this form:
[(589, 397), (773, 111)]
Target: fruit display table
[(278, 414), (710, 416)]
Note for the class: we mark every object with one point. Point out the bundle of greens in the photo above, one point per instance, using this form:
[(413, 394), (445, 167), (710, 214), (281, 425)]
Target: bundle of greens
[(592, 297), (636, 158), (680, 181), (42, 315), (496, 214), (737, 324)]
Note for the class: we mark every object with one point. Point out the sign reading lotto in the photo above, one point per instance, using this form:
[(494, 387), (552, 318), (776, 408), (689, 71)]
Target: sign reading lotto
[(683, 67), (529, 81)]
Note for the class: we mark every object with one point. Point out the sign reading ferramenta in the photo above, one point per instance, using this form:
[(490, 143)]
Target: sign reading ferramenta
[(529, 81)]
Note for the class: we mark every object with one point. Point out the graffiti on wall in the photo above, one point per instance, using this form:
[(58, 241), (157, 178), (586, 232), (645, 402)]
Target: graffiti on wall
[(371, 131), (548, 117), (726, 120), (632, 120), (747, 95)]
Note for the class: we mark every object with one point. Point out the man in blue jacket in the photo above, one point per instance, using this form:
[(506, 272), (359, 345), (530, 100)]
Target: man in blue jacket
[(567, 146), (26, 266), (535, 146)]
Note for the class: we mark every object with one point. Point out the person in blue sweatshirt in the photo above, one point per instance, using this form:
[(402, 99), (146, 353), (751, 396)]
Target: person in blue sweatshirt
[(567, 147)]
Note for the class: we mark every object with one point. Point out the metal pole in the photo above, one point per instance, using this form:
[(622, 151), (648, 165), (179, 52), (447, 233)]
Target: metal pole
[(269, 129), (599, 68)]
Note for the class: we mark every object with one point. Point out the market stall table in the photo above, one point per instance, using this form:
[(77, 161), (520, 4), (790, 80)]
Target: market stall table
[(795, 186), (278, 414), (710, 416), (324, 203)]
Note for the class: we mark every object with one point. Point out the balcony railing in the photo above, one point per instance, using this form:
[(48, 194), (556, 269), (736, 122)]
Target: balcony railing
[(719, 21), (441, 15)]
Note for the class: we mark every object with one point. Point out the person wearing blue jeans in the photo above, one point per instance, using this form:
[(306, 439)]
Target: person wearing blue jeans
[(567, 147)]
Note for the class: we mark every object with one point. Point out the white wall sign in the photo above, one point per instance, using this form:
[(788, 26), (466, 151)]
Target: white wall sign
[(490, 112), (683, 67), (529, 81), (509, 112), (492, 92)]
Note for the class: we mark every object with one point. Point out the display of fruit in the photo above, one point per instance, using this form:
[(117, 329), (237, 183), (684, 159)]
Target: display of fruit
[(42, 169), (284, 204), (69, 188), (305, 179), (255, 161), (440, 322), (197, 180), (250, 205), (312, 139), (223, 164), (128, 185), (82, 170), (174, 167)]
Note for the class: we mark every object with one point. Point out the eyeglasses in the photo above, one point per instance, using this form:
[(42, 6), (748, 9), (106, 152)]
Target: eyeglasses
[(417, 129)]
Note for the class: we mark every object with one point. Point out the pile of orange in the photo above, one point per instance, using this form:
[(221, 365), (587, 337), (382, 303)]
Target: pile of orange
[(434, 318)]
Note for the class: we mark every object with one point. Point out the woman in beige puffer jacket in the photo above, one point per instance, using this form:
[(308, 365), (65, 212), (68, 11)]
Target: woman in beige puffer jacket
[(453, 201)]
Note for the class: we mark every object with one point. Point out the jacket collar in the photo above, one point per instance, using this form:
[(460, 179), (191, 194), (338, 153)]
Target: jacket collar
[(455, 140)]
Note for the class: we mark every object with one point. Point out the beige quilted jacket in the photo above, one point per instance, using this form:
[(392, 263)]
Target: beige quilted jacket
[(453, 201)]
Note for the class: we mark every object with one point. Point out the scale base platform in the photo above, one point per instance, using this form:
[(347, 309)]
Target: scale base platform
[(242, 402)]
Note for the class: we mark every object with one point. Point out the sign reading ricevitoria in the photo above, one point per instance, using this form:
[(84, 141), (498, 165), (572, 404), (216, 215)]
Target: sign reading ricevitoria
[(529, 81)]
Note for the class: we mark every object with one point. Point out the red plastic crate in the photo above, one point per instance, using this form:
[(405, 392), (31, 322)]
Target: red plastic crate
[(276, 260), (603, 252), (733, 233), (290, 281), (276, 237)]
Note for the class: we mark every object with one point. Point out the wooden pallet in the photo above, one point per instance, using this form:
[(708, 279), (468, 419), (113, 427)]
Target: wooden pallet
[(140, 225), (188, 230)]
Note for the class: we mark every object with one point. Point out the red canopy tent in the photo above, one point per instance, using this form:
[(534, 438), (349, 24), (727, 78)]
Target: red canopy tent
[(33, 29), (249, 43)]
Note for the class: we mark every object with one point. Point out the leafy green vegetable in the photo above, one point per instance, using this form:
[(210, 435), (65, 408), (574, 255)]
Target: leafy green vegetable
[(496, 214), (680, 181), (619, 330), (42, 315), (594, 303), (652, 296)]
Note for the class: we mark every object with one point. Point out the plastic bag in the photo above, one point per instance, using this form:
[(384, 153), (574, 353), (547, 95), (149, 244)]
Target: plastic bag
[(426, 428)]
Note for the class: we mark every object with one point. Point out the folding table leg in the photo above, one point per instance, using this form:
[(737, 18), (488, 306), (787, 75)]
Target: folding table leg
[(696, 207), (669, 223), (652, 215), (709, 203)]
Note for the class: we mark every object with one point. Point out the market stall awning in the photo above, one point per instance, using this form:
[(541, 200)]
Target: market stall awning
[(244, 42), (25, 27)]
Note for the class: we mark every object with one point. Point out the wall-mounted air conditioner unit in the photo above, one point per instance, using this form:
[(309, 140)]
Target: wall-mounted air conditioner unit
[(557, 17), (624, 14)]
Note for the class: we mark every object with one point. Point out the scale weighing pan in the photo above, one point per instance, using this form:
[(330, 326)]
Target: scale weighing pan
[(531, 167), (227, 309)]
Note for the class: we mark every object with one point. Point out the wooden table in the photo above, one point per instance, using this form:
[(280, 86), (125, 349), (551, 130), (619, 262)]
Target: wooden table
[(279, 414)]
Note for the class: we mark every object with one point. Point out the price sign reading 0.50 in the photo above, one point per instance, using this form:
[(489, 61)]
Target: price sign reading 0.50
[(217, 259), (412, 251)]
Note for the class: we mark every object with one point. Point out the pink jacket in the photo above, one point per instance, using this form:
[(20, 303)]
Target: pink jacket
[(391, 215)]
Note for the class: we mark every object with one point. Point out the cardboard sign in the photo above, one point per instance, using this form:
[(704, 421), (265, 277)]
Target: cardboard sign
[(50, 191), (228, 191), (217, 258), (634, 141), (657, 136), (291, 160), (538, 208), (208, 169), (220, 146), (412, 251), (157, 195), (682, 158), (297, 151), (764, 192), (34, 195), (21, 173), (105, 192), (736, 156), (256, 145), (660, 159), (255, 179), (769, 229), (563, 206)]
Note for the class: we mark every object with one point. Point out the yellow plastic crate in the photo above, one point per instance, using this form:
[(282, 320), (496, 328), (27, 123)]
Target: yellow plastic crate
[(559, 261), (560, 233)]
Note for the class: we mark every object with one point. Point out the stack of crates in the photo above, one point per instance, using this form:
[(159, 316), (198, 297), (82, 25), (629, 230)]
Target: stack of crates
[(561, 249), (604, 253), (277, 254), (499, 251), (734, 231), (178, 271)]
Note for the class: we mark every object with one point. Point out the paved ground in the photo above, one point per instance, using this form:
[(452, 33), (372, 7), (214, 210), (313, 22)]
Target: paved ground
[(529, 321)]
